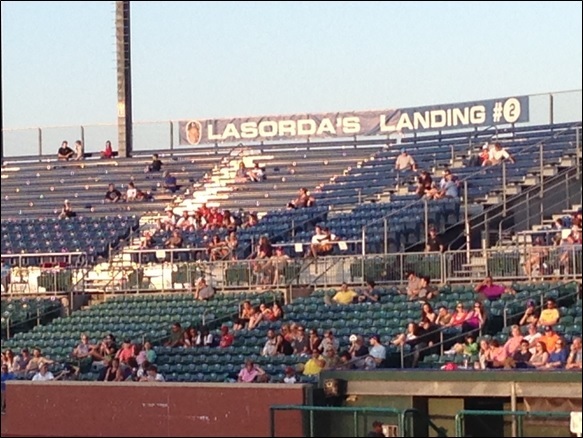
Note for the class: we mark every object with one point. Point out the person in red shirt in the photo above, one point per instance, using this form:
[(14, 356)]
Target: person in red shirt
[(227, 338)]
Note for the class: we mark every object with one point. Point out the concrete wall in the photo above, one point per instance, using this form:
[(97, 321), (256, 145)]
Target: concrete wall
[(68, 409)]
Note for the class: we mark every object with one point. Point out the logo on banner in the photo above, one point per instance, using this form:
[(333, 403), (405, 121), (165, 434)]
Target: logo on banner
[(193, 132)]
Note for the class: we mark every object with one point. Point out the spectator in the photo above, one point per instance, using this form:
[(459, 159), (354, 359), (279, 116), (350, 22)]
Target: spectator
[(522, 355), (448, 186), (175, 338), (82, 354), (270, 347), (322, 242), (535, 258), (67, 211), (112, 194), (427, 312), (290, 376), (301, 343), (377, 430), (314, 340), (5, 377), (217, 249), (559, 356), (459, 316), (376, 354), (256, 174), (151, 355), (152, 375), (443, 316), (114, 372), (155, 165), (105, 350), (344, 295), (65, 153), (255, 318), (131, 192), (491, 291), (413, 285), (368, 294), (497, 154), (241, 174), (37, 360), (550, 315), (434, 242), (251, 373), (170, 183), (11, 362), (530, 315), (329, 342), (426, 289), (532, 337), (189, 337), (424, 183), (204, 338), (278, 264), (107, 153), (43, 374), (185, 222), (126, 352), (79, 153), (303, 200), (244, 315), (330, 358), (496, 356), (475, 318), (175, 241), (227, 338), (574, 359), (232, 244), (357, 348), (513, 343), (203, 290), (404, 161), (284, 347), (314, 365), (540, 357), (550, 339)]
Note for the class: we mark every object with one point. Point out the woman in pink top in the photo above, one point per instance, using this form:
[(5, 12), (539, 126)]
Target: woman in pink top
[(475, 318), (459, 315), (513, 343)]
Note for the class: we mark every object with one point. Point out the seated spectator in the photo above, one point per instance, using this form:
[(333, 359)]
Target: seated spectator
[(131, 192), (448, 186), (532, 337), (105, 350), (530, 315), (126, 352), (67, 211), (189, 337), (357, 348), (574, 359), (82, 354), (168, 222), (443, 316), (497, 154), (112, 194), (459, 316), (252, 373), (344, 295), (203, 290), (244, 315), (522, 355), (322, 242), (270, 347), (284, 347), (513, 343), (277, 265), (227, 337), (300, 342), (413, 285), (491, 291), (303, 200), (254, 320), (404, 161), (496, 356), (204, 338), (424, 184), (540, 357), (37, 360), (368, 293), (330, 358), (232, 244), (147, 240), (43, 374), (155, 165), (217, 249), (475, 318), (79, 153), (107, 153), (314, 365), (65, 153), (175, 241), (426, 290), (411, 333), (290, 376), (185, 222), (152, 375), (434, 242), (251, 221), (427, 312), (559, 356), (535, 257), (469, 347), (149, 352), (241, 174), (550, 339), (175, 338), (329, 341), (377, 353), (550, 315), (314, 339), (170, 182), (257, 173)]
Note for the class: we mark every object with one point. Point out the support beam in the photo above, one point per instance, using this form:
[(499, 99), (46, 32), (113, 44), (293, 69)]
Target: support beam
[(124, 78)]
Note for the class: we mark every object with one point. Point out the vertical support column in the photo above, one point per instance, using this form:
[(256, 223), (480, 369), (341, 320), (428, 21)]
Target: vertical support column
[(124, 78)]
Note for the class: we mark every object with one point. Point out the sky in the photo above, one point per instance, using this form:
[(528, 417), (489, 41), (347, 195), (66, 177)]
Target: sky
[(227, 59)]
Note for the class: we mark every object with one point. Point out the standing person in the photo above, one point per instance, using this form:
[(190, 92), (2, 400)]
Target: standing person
[(67, 211), (405, 161)]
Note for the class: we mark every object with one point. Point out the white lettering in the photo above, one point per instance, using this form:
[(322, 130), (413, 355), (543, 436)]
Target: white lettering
[(460, 116), (326, 126), (351, 125), (211, 135), (478, 114), (384, 127), (404, 122), (249, 130), (438, 119), (231, 131), (421, 120), (306, 127), (287, 127), (264, 131)]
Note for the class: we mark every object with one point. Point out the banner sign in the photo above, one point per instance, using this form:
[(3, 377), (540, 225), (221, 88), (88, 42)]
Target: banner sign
[(482, 113)]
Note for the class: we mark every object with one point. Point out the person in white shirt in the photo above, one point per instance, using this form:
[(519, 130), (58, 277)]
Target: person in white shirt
[(290, 376), (322, 242), (131, 192), (152, 375), (270, 348), (377, 353), (496, 155), (532, 337), (43, 375)]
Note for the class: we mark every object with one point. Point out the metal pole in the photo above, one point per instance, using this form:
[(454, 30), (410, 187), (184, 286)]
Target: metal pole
[(551, 109), (386, 236), (171, 136), (467, 220), (40, 143), (528, 227), (504, 188), (578, 151), (426, 214), (312, 434), (355, 423), (83, 138), (541, 169), (363, 242), (271, 422)]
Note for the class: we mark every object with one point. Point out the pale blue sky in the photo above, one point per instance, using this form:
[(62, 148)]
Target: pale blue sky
[(220, 59)]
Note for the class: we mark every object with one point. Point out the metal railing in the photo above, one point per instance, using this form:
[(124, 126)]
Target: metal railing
[(517, 418)]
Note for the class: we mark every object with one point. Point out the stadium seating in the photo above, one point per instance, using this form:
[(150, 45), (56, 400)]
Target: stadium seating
[(21, 314)]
